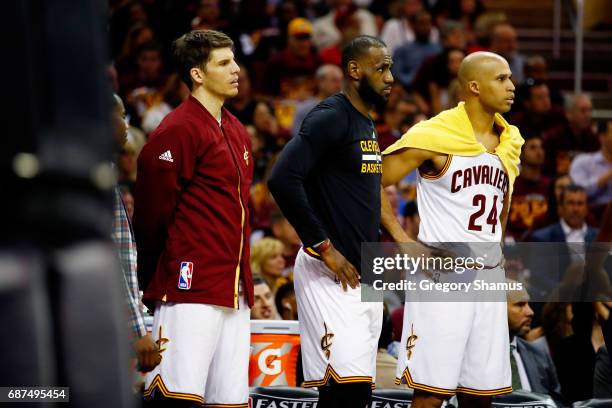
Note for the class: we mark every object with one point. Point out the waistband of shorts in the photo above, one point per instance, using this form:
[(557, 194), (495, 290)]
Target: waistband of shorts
[(311, 252)]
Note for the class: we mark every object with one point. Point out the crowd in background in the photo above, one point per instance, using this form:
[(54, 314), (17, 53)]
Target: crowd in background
[(289, 53)]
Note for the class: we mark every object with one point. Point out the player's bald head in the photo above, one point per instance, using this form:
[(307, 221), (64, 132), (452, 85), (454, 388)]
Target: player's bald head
[(474, 65), (486, 80)]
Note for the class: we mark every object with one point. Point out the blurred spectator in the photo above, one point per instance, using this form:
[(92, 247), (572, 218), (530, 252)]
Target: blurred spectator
[(296, 61), (399, 31), (287, 10), (128, 201), (267, 261), (536, 68), (263, 305), (397, 92), (409, 121), (148, 75), (483, 31), (243, 105), (271, 23), (572, 226), (556, 324), (127, 165), (266, 125), (348, 25), (409, 56), (575, 359), (593, 171), (529, 204), (411, 219), (556, 187), (142, 343), (532, 368), (163, 102), (267, 138), (136, 138), (455, 93), (408, 186), (383, 10), (504, 42), (326, 33), (207, 17), (285, 302), (261, 206), (538, 115), (394, 119), (137, 35), (329, 82), (261, 203), (465, 11), (126, 160), (570, 136), (433, 79), (124, 16), (393, 197), (452, 35), (571, 229), (284, 232)]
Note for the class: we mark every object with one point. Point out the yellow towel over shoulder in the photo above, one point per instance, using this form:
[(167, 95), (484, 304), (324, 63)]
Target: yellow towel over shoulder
[(450, 132)]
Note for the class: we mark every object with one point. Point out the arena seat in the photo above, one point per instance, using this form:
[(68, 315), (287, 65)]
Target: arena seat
[(517, 399), (594, 403), (263, 397)]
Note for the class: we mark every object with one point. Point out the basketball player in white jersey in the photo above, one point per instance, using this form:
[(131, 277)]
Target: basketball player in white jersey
[(459, 347)]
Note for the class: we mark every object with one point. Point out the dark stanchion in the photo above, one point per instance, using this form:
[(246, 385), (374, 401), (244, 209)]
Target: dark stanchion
[(63, 322)]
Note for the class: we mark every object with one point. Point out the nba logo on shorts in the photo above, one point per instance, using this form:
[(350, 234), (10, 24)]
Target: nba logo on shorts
[(185, 275)]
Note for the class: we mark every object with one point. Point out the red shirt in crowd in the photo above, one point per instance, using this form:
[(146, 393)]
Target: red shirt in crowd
[(191, 208), (331, 55)]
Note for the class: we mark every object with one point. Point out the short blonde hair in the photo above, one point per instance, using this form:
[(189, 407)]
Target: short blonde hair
[(262, 250)]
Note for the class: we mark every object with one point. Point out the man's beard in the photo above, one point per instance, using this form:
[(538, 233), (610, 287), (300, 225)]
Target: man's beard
[(368, 94)]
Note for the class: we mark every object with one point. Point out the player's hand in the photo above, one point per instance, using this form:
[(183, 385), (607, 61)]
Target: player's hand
[(344, 270), (147, 353), (417, 249)]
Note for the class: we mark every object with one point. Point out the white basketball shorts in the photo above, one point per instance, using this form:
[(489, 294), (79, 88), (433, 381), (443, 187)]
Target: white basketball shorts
[(206, 354), (339, 332), (451, 347)]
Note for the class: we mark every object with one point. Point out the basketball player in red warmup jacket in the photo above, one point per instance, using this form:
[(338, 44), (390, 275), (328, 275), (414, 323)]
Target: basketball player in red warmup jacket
[(192, 234)]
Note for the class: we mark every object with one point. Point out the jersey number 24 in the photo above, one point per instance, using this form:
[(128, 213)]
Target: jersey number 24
[(480, 201)]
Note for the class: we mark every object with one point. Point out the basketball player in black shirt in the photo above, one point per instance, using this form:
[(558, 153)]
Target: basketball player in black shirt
[(327, 183)]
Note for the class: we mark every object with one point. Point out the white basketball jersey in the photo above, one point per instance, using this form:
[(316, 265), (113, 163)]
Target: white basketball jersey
[(464, 202)]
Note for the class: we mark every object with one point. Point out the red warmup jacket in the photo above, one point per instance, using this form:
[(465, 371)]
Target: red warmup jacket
[(191, 208)]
